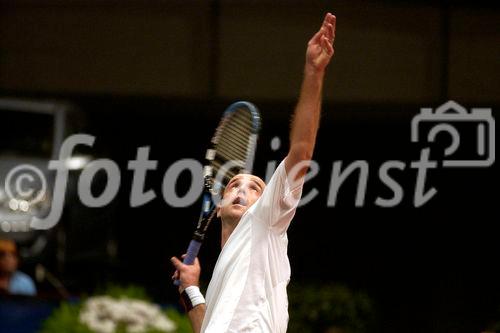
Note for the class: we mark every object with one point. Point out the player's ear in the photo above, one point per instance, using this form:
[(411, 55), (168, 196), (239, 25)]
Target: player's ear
[(217, 209)]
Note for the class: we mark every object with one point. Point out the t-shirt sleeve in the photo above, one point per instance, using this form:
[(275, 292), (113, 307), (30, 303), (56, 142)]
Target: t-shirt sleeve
[(280, 199), (22, 284)]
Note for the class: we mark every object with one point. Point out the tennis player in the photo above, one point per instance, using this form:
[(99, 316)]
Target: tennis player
[(247, 292)]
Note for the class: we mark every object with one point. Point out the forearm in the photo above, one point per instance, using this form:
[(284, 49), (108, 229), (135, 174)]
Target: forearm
[(196, 316), (305, 121), (307, 112)]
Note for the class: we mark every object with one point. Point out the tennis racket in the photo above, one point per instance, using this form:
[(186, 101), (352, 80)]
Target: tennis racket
[(231, 151)]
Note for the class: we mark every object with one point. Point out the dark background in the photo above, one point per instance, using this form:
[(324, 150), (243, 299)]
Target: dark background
[(159, 74)]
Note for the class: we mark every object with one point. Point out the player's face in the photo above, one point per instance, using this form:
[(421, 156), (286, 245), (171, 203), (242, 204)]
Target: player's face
[(241, 193)]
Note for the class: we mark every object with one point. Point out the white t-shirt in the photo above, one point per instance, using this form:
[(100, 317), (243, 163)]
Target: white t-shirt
[(247, 292)]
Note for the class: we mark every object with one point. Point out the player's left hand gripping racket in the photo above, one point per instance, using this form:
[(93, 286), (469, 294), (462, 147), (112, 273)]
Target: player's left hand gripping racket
[(232, 151)]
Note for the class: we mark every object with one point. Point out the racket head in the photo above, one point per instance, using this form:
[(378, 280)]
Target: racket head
[(234, 143), (232, 151)]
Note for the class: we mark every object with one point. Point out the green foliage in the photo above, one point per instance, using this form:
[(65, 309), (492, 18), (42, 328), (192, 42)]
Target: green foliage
[(320, 308), (65, 319), (130, 292), (181, 320)]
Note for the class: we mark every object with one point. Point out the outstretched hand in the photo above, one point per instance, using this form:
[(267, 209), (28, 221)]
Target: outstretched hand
[(320, 47)]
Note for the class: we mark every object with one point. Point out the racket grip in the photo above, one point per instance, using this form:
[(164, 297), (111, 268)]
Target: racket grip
[(192, 253)]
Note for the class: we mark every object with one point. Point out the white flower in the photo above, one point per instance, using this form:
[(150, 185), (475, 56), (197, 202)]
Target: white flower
[(162, 323), (102, 314)]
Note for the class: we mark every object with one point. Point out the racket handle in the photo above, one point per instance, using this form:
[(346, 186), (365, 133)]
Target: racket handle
[(192, 253)]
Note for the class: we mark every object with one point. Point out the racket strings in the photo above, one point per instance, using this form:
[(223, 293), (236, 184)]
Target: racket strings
[(240, 119), (229, 151), (232, 140), (226, 175)]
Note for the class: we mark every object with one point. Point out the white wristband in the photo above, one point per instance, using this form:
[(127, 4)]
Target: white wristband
[(195, 295)]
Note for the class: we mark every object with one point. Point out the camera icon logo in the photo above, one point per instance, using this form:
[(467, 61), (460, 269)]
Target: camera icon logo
[(450, 118)]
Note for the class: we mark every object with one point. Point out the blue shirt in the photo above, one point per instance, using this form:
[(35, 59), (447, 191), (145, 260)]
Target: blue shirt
[(22, 284)]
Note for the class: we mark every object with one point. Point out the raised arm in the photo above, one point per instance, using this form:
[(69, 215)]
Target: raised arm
[(305, 121)]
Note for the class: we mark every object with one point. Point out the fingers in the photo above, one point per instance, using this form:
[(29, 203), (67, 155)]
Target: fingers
[(327, 45), (330, 24), (329, 32), (177, 263), (327, 29), (329, 19), (326, 19), (317, 37), (333, 22), (328, 37), (324, 29)]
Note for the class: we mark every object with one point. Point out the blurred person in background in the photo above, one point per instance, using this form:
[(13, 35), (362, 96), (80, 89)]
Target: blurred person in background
[(12, 281)]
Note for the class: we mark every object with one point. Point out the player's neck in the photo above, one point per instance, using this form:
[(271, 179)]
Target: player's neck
[(226, 231)]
